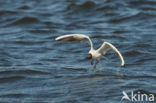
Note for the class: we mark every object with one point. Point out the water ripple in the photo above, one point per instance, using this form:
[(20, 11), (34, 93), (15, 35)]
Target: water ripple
[(26, 20)]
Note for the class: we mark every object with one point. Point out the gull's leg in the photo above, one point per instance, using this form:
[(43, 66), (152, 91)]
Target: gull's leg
[(92, 61), (97, 61)]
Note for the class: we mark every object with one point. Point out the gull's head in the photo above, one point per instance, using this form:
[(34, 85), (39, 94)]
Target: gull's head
[(89, 56)]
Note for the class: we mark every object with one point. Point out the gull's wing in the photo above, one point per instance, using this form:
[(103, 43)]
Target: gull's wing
[(107, 46), (75, 38)]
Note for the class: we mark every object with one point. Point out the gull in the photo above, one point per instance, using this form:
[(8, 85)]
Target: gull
[(92, 54)]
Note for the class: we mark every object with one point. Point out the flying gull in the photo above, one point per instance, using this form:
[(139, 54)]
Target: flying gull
[(92, 54)]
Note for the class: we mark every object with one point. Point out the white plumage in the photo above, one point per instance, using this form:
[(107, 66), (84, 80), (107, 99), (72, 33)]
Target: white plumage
[(93, 54)]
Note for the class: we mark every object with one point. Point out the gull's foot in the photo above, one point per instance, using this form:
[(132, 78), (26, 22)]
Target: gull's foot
[(92, 62), (94, 65)]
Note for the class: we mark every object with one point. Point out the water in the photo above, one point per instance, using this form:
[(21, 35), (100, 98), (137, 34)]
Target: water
[(34, 68)]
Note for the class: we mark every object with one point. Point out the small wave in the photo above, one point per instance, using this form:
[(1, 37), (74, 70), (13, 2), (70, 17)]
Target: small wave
[(132, 53), (24, 7), (141, 2), (120, 31), (11, 78), (39, 31), (85, 5), (26, 20), (32, 72), (5, 62), (73, 69), (3, 12), (14, 95), (35, 51), (71, 6), (109, 37), (142, 45), (137, 77), (49, 60), (88, 4), (137, 16), (78, 76), (106, 75), (105, 8), (148, 9), (28, 42), (22, 72), (145, 60), (48, 22)]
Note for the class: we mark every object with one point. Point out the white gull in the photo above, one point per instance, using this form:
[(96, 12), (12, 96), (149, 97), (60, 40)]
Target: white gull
[(92, 54)]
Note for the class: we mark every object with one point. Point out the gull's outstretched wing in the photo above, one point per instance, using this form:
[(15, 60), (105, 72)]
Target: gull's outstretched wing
[(75, 38), (107, 46)]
